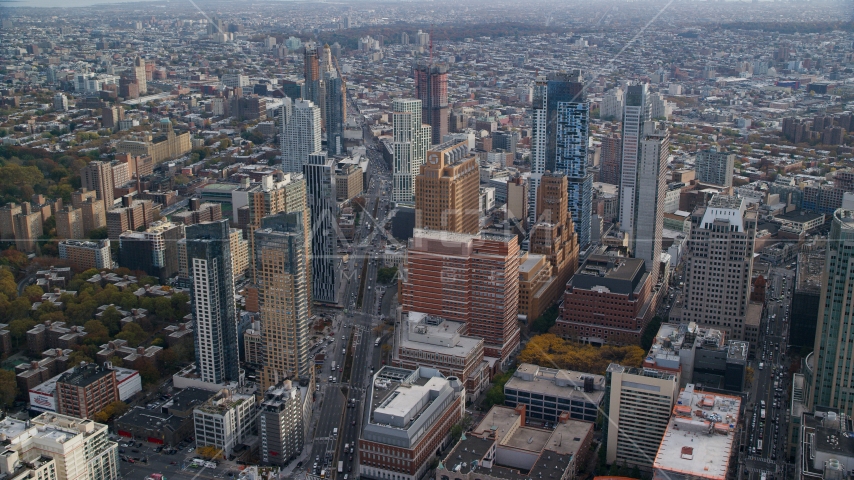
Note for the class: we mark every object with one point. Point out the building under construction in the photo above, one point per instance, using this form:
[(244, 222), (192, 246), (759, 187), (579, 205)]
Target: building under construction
[(431, 87)]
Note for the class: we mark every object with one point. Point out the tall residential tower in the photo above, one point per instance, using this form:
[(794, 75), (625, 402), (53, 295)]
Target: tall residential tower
[(300, 133), (411, 142), (214, 310), (431, 87), (284, 294), (559, 144), (320, 196)]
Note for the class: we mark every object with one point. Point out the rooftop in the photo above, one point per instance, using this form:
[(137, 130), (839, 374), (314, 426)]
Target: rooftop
[(153, 419), (404, 404), (699, 439), (84, 375), (436, 334), (618, 268), (558, 383), (223, 402), (810, 269), (726, 201), (502, 426), (800, 216), (611, 274)]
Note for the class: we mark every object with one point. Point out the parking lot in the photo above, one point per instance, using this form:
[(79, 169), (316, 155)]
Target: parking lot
[(163, 463)]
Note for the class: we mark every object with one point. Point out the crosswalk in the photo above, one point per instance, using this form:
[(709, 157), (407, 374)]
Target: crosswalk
[(767, 464)]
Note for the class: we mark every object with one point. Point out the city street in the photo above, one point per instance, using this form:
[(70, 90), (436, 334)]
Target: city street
[(343, 403), (765, 449)]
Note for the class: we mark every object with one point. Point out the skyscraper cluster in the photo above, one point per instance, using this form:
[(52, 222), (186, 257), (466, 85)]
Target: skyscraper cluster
[(559, 144)]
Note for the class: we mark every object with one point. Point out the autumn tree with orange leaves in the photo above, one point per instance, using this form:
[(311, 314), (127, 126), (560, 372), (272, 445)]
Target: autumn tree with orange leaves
[(549, 350)]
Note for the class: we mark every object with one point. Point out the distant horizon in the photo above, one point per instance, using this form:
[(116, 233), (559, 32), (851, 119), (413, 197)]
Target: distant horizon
[(67, 4)]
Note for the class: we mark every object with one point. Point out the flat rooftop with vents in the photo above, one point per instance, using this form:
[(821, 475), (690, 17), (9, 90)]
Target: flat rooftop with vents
[(698, 442)]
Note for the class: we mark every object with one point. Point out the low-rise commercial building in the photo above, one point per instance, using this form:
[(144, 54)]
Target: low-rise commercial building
[(548, 392), (504, 447), (154, 426), (701, 437), (607, 301), (425, 339), (411, 414), (224, 421)]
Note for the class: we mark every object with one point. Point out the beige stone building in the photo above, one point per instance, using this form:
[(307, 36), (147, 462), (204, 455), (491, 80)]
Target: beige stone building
[(447, 195), (239, 252), (348, 181), (719, 267), (162, 147)]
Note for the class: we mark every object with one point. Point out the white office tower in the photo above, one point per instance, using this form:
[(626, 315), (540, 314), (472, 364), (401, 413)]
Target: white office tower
[(638, 406), (635, 114), (60, 102), (612, 105), (411, 142), (539, 140), (660, 108), (719, 266), (300, 135), (649, 204)]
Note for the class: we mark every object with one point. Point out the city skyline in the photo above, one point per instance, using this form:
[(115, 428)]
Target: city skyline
[(410, 241)]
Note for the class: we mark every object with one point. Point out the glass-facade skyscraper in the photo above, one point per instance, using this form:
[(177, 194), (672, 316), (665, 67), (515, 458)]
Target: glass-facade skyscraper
[(214, 311), (560, 135), (832, 366)]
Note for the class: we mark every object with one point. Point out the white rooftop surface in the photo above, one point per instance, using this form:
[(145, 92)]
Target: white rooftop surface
[(12, 427), (688, 447), (443, 338), (530, 262), (408, 400)]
